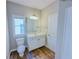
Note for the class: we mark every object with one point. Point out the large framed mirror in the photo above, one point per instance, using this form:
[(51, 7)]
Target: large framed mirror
[(33, 25)]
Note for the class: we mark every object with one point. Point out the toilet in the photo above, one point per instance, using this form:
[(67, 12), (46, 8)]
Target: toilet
[(20, 46)]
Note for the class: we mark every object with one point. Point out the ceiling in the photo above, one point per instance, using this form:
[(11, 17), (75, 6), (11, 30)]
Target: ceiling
[(39, 4)]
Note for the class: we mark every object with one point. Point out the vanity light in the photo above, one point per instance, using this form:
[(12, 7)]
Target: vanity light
[(34, 17)]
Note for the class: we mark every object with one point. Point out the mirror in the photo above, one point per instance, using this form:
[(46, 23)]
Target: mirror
[(32, 26)]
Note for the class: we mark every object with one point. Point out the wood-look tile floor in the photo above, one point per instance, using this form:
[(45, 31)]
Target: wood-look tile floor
[(40, 53)]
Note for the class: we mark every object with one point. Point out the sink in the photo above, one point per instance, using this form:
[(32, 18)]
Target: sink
[(40, 33), (35, 34)]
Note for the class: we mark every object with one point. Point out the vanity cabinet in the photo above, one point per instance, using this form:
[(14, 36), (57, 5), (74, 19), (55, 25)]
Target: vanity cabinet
[(35, 42)]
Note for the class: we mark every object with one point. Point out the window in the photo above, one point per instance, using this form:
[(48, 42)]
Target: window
[(18, 25)]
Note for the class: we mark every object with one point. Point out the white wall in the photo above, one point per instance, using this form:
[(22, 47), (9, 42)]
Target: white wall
[(58, 7), (7, 42), (19, 10), (60, 36), (67, 39), (45, 13)]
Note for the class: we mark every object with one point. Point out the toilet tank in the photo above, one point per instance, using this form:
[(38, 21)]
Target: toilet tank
[(20, 41)]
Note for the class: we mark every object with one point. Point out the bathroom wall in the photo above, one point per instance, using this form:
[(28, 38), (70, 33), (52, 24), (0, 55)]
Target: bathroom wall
[(61, 39), (52, 8), (57, 7), (7, 41), (67, 45), (19, 10)]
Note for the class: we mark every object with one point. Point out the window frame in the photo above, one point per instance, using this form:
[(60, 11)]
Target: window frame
[(13, 25)]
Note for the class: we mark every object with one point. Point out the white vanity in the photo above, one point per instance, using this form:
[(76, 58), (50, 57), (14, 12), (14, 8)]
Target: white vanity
[(35, 40)]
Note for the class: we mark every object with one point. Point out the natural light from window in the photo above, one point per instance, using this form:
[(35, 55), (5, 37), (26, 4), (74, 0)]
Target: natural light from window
[(19, 26)]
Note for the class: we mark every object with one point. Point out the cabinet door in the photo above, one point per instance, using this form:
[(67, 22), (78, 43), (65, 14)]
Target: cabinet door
[(32, 43), (41, 40), (36, 42)]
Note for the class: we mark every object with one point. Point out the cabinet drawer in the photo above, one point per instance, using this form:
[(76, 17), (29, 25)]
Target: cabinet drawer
[(33, 43)]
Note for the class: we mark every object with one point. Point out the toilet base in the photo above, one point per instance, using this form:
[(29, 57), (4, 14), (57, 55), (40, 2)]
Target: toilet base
[(21, 50), (21, 55)]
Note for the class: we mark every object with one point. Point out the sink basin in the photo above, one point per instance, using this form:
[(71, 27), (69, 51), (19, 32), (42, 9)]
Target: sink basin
[(30, 35), (35, 34)]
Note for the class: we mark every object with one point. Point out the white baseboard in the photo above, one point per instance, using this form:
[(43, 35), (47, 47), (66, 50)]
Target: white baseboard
[(16, 49), (13, 50), (50, 48)]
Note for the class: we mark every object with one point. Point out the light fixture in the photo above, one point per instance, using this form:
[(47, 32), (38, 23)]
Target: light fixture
[(33, 17)]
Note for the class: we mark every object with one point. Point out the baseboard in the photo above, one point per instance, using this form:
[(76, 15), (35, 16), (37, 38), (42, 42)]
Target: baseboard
[(49, 49), (9, 56), (16, 49), (13, 50)]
